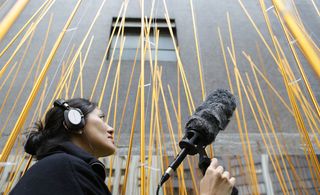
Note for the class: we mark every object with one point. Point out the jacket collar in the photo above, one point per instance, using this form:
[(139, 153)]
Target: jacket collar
[(72, 149)]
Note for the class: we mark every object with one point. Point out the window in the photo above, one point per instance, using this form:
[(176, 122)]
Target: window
[(132, 28)]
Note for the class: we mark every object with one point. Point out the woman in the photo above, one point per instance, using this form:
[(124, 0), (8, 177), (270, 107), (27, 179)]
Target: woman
[(67, 146)]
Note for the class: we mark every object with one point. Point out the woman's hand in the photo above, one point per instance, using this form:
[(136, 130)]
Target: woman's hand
[(216, 181)]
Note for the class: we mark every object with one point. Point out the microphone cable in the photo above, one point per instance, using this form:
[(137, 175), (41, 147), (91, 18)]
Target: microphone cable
[(158, 189)]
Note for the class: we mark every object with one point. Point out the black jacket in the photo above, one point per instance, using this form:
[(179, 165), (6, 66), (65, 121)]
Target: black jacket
[(66, 169)]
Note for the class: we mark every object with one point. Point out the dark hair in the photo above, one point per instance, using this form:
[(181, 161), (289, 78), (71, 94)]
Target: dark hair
[(52, 132)]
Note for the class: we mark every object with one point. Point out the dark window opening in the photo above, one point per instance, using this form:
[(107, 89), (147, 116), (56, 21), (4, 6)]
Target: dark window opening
[(132, 31)]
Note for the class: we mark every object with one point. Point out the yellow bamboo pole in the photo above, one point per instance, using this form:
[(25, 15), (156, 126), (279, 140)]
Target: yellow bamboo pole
[(281, 150), (154, 98), (158, 129), (308, 49), (142, 104), (79, 78), (301, 126), (268, 118), (179, 105), (16, 73), (61, 83), (268, 82), (114, 83), (80, 75), (8, 75), (64, 69), (172, 102), (26, 24), (106, 52), (248, 158), (133, 124), (183, 75), (198, 52), (22, 159), (294, 53), (152, 126), (13, 171), (67, 84), (315, 7), (157, 150), (225, 60), (298, 92), (295, 93), (295, 12), (263, 119), (11, 17), (304, 77), (73, 61), (24, 38), (165, 155), (111, 59), (195, 186), (17, 97), (314, 181), (43, 47), (236, 111), (273, 88), (37, 111), (23, 115), (311, 112), (275, 110), (303, 173), (260, 130), (147, 47), (173, 139), (258, 31), (115, 88), (231, 38), (127, 97), (286, 77), (255, 189)]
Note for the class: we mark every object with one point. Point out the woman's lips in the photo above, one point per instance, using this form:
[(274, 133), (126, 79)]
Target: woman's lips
[(111, 139)]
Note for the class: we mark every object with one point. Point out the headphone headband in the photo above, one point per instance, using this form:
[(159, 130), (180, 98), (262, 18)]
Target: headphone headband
[(61, 103)]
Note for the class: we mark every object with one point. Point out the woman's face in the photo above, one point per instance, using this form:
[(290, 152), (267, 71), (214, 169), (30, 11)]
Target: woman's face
[(99, 134)]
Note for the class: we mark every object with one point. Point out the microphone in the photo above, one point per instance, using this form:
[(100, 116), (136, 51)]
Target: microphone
[(202, 128)]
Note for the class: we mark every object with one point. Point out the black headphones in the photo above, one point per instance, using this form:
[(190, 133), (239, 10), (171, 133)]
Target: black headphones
[(73, 117)]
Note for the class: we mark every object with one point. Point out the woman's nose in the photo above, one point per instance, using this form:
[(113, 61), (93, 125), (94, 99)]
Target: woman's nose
[(110, 129)]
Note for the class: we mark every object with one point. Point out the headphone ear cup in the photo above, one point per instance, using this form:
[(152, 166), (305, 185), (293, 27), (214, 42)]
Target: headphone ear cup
[(82, 122), (67, 123), (74, 119)]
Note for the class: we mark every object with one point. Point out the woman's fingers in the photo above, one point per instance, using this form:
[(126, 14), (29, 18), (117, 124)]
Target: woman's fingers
[(216, 180), (226, 175), (214, 163), (219, 169), (232, 181)]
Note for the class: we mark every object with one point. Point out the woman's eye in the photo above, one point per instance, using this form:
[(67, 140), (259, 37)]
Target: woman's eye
[(102, 116)]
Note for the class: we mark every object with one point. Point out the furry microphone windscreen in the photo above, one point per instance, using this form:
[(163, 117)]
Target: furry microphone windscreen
[(212, 115)]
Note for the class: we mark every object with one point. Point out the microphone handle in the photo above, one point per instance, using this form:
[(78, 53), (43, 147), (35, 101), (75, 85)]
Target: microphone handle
[(204, 163), (178, 160), (173, 166)]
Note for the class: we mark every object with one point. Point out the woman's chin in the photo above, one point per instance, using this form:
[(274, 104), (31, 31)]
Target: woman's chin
[(110, 150)]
